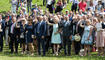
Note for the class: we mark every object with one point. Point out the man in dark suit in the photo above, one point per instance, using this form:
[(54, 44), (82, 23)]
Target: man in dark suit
[(13, 36), (2, 26), (67, 32), (40, 32)]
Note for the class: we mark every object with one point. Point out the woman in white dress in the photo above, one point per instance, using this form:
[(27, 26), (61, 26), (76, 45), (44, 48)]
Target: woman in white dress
[(56, 38)]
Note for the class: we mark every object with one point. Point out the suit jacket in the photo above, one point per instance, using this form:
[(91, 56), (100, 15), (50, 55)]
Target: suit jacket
[(42, 29), (67, 28), (2, 27)]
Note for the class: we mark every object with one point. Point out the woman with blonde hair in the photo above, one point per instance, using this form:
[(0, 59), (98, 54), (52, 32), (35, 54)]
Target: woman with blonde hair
[(56, 38)]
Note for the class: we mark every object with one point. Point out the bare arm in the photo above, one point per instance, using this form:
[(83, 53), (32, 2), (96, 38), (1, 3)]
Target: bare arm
[(51, 24)]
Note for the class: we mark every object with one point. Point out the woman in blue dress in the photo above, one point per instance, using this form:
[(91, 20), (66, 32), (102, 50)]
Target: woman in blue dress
[(29, 35), (56, 38), (87, 37)]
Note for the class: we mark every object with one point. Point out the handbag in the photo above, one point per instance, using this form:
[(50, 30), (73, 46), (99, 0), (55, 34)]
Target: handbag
[(77, 38), (88, 42), (22, 35)]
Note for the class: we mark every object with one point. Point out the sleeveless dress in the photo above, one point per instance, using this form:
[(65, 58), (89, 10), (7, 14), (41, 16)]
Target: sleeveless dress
[(29, 34), (85, 36), (56, 38)]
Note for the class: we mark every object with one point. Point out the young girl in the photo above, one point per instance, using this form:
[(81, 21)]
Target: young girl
[(87, 37)]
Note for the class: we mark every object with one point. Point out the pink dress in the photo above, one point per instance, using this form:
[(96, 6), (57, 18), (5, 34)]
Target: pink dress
[(100, 36)]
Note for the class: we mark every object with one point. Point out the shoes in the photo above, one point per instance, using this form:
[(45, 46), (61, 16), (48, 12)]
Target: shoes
[(32, 54), (56, 54)]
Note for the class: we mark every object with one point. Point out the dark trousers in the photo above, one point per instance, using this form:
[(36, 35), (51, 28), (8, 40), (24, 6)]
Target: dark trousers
[(74, 7), (14, 41), (67, 44), (47, 44), (1, 43), (41, 42), (77, 47)]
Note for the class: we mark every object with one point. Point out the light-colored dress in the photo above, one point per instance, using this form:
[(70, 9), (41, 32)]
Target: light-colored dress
[(86, 35), (99, 35), (56, 38)]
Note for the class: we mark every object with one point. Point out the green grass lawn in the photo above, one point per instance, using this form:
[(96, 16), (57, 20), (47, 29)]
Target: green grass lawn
[(5, 55)]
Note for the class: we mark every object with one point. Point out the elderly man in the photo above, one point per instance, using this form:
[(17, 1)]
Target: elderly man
[(40, 32)]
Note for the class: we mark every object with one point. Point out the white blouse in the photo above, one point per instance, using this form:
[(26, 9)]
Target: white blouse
[(99, 26)]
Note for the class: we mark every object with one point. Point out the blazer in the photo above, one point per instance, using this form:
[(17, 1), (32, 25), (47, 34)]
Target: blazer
[(67, 29), (42, 29), (2, 27)]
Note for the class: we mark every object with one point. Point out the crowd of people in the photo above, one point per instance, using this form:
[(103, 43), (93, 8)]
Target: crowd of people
[(82, 29)]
